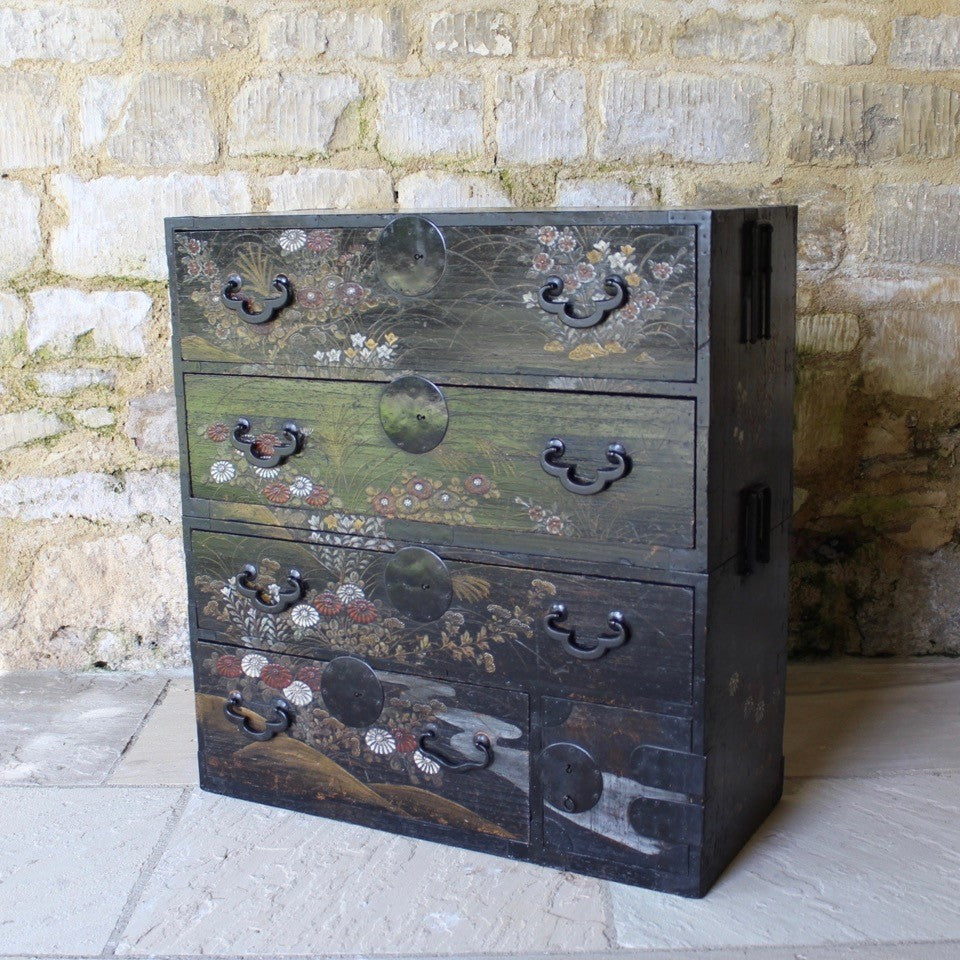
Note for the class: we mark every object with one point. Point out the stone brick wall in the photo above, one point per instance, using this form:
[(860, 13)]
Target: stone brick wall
[(117, 114)]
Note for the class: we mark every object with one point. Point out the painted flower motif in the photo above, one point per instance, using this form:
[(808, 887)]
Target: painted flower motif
[(318, 497), (478, 484), (303, 615), (301, 487), (311, 298), (276, 676), (193, 246), (278, 493), (631, 311), (350, 293), (327, 603), (267, 473), (193, 269), (292, 240), (621, 262), (554, 525), (407, 503), (385, 505), (567, 242), (347, 592), (298, 693), (446, 500), (229, 666), (311, 676), (406, 741), (536, 514), (319, 241), (218, 432), (585, 272), (548, 236), (648, 299), (421, 489), (542, 262), (265, 444), (380, 741), (253, 664), (361, 611), (222, 471), (662, 271), (426, 764)]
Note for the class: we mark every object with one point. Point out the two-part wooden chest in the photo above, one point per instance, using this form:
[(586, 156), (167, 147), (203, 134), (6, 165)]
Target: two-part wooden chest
[(486, 524)]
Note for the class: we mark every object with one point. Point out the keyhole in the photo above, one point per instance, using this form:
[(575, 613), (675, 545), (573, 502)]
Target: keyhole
[(418, 256), (357, 693), (569, 804), (421, 416), (424, 586), (569, 768)]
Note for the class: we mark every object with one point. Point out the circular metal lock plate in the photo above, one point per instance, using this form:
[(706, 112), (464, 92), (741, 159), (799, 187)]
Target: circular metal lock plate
[(570, 778), (418, 584), (411, 255), (414, 414), (351, 692)]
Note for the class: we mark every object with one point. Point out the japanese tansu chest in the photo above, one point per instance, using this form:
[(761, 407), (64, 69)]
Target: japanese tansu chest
[(486, 524)]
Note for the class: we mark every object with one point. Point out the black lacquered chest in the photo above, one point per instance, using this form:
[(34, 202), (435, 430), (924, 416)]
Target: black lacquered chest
[(486, 524)]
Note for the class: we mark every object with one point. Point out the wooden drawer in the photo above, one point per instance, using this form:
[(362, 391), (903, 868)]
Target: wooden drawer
[(398, 293), (413, 611), (482, 482), (619, 786), (353, 746)]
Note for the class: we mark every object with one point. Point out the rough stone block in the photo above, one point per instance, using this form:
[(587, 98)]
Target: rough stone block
[(372, 34), (692, 117), (431, 116), (839, 41), (827, 333), (729, 37), (183, 35), (115, 224), (61, 383), (916, 223), (116, 319), (152, 425), (430, 189), (13, 315), (594, 33), (19, 227), (541, 116), (471, 33), (96, 418), (60, 31), (585, 192), (294, 114), (870, 122), (926, 43), (329, 189), (36, 130), (819, 406), (25, 426)]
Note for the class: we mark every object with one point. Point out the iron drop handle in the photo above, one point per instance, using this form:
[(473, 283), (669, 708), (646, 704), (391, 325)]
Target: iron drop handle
[(271, 306), (568, 638), (552, 463), (286, 597), (281, 720), (551, 300), (243, 442), (480, 740)]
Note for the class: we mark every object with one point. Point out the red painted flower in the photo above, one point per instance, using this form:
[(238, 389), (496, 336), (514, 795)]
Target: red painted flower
[(542, 262), (265, 444), (210, 269), (193, 269), (311, 677), (361, 611), (554, 525), (276, 676), (319, 241), (328, 603), (536, 514), (385, 505), (662, 271), (478, 483), (277, 492), (311, 298), (350, 293), (406, 741), (420, 488), (318, 497), (193, 246), (229, 666), (218, 432)]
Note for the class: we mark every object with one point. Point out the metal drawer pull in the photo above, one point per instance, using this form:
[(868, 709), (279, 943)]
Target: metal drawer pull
[(567, 472), (243, 442), (242, 305), (568, 638), (480, 740), (286, 597), (550, 293), (283, 717)]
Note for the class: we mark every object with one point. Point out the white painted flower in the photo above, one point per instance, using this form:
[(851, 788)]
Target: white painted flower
[(358, 340), (334, 355), (548, 235), (380, 741), (268, 473), (292, 240), (620, 261), (366, 353), (385, 351), (602, 245), (425, 763), (298, 693), (303, 615), (223, 471), (530, 301), (350, 591), (253, 663), (301, 487)]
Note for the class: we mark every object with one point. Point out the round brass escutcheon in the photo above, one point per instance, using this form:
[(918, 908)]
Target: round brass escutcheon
[(351, 692), (570, 778), (411, 256), (413, 413), (419, 584)]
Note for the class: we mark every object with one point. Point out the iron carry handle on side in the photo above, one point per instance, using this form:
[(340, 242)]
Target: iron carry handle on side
[(568, 638), (243, 442), (552, 463), (286, 597), (550, 298), (281, 720), (480, 740), (242, 305)]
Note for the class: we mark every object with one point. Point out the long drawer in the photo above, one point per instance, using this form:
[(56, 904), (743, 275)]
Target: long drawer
[(412, 461), (412, 610), (402, 293)]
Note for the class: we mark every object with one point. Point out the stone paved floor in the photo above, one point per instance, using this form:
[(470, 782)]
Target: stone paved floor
[(107, 847)]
